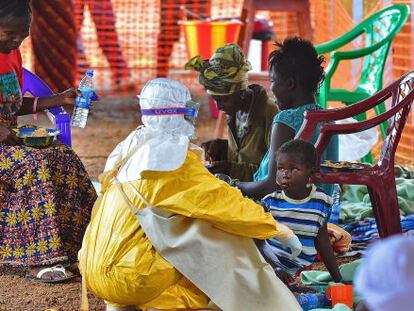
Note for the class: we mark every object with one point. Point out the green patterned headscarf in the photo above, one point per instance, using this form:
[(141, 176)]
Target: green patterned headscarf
[(226, 71)]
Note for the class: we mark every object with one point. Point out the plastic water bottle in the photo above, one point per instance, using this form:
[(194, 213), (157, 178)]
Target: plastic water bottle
[(83, 102), (312, 301), (336, 206)]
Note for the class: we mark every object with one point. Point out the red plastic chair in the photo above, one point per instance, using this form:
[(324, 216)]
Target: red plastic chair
[(380, 178)]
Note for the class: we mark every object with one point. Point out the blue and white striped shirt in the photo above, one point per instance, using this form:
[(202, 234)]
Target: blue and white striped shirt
[(304, 217)]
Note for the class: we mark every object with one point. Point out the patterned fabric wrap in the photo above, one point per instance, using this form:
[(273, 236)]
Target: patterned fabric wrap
[(305, 218), (226, 71), (46, 199)]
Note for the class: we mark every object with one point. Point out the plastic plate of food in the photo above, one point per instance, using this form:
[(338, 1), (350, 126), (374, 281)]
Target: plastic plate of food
[(342, 165), (38, 137)]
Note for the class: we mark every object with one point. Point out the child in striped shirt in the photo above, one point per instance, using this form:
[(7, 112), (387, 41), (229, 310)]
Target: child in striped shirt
[(302, 207)]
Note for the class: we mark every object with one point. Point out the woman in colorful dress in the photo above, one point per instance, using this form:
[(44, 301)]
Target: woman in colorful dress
[(46, 196)]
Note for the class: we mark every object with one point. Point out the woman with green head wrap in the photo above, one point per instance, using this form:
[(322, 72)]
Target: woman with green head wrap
[(249, 112)]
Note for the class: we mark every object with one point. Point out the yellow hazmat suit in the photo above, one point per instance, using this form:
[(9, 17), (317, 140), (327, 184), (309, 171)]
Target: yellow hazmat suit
[(122, 266), (167, 234)]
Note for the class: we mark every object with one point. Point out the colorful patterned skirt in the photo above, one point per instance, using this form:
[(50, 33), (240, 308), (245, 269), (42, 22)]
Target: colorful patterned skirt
[(46, 199)]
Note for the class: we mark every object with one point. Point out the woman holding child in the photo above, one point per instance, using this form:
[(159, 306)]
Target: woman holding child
[(296, 72), (284, 174), (45, 194)]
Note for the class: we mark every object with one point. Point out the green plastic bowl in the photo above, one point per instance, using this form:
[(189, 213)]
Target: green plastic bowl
[(25, 134)]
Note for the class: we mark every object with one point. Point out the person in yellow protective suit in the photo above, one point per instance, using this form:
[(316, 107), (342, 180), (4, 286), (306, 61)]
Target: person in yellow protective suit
[(166, 234)]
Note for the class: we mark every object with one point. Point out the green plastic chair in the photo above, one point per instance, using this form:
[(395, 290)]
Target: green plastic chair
[(379, 29)]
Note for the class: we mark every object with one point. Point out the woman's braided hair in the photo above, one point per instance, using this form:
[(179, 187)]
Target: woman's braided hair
[(14, 9), (297, 58)]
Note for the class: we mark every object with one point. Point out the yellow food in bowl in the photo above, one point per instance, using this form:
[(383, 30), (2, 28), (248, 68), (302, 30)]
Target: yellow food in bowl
[(40, 132)]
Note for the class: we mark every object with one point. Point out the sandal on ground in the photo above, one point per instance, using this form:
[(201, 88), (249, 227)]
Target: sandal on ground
[(58, 275)]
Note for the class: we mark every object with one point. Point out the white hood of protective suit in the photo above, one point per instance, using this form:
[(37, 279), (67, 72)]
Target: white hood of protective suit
[(162, 142), (385, 279)]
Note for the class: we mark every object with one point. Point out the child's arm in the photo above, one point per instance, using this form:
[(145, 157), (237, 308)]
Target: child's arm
[(323, 246), (273, 261)]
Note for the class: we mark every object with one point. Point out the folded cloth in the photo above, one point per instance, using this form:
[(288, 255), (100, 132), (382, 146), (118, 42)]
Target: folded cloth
[(356, 249), (366, 230), (362, 230), (407, 223), (340, 239), (406, 171), (356, 205), (315, 277), (337, 307)]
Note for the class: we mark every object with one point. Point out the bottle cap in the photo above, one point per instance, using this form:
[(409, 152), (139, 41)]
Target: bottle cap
[(89, 72)]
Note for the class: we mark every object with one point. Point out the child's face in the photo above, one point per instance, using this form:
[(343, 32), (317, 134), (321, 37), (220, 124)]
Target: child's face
[(292, 175), (282, 88), (12, 34)]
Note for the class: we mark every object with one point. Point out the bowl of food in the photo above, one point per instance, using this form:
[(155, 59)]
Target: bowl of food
[(37, 137), (342, 165)]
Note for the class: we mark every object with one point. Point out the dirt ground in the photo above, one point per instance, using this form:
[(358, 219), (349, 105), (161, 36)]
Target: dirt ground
[(110, 122)]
